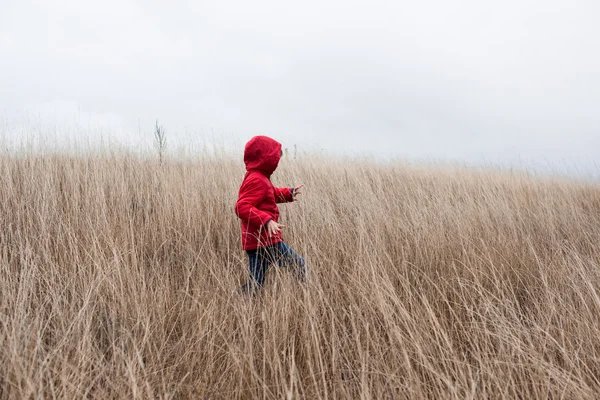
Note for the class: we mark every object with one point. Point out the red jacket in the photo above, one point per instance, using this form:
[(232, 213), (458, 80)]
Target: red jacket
[(258, 198)]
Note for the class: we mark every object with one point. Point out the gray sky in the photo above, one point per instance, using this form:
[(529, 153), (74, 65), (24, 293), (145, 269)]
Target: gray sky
[(460, 80)]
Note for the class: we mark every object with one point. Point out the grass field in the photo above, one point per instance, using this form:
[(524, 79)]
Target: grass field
[(118, 279)]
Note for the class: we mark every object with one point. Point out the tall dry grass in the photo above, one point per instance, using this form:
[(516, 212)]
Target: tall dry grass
[(119, 276)]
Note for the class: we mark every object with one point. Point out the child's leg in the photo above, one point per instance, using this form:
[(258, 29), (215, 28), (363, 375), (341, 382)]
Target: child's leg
[(258, 264), (286, 256)]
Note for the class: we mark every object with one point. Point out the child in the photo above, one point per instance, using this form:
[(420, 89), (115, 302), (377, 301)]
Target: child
[(257, 208)]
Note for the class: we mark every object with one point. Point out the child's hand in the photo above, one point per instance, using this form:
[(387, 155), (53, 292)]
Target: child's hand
[(273, 228), (297, 191)]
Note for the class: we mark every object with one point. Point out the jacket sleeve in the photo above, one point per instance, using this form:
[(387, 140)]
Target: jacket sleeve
[(284, 195), (252, 193)]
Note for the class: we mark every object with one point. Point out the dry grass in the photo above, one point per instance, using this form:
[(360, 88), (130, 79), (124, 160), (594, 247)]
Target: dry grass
[(118, 280)]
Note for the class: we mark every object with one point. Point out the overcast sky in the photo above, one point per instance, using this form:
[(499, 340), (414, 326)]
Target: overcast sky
[(434, 79)]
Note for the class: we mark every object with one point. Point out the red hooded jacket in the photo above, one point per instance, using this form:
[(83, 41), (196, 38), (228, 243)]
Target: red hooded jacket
[(258, 198)]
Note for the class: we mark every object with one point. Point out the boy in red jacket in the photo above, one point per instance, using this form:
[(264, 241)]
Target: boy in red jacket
[(257, 208)]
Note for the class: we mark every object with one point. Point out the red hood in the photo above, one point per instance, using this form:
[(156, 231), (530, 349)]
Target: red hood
[(262, 154)]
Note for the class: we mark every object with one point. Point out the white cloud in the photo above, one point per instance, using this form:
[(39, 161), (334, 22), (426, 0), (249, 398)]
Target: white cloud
[(466, 80)]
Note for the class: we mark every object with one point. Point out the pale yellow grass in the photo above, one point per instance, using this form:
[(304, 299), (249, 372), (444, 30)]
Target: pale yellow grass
[(118, 280)]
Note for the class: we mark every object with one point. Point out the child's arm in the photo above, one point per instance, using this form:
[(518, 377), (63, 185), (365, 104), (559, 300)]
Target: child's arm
[(284, 195), (287, 195), (251, 194)]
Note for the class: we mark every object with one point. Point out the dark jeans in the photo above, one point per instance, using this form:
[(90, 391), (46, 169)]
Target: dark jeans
[(279, 254)]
